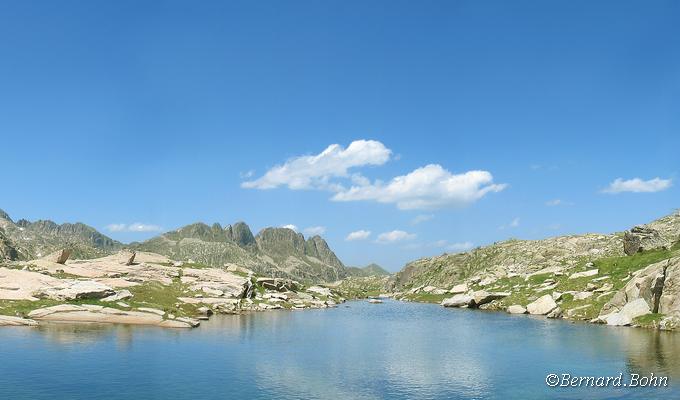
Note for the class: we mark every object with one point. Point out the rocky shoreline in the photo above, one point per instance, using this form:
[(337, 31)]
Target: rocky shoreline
[(640, 288), (142, 289)]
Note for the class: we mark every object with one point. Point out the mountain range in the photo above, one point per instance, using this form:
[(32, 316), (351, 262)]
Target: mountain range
[(277, 252)]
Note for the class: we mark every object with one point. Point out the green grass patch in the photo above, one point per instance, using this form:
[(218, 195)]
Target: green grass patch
[(649, 320)]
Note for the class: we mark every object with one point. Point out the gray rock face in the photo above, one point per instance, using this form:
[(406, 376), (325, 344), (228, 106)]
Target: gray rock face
[(647, 284), (669, 301), (643, 238), (542, 306)]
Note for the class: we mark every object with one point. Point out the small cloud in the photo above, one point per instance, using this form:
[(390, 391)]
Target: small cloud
[(134, 227), (395, 236), (116, 227), (459, 247), (637, 185), (558, 202), (290, 226), (421, 218), (247, 174), (314, 230), (455, 247), (358, 235), (513, 224)]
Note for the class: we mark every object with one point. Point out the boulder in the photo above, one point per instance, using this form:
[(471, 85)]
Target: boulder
[(542, 306), (590, 272), (582, 295), (126, 256), (459, 300), (121, 295), (481, 297), (642, 238), (630, 311), (556, 313), (458, 289), (59, 256), (516, 309)]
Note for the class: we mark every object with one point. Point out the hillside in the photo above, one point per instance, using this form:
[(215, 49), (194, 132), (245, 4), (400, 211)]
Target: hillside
[(277, 252), (25, 240), (628, 278), (516, 257), (369, 270)]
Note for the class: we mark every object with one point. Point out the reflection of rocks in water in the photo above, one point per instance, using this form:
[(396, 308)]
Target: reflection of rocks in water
[(67, 334), (652, 351)]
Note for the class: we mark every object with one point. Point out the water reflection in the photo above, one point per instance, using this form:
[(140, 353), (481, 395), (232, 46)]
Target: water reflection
[(393, 350)]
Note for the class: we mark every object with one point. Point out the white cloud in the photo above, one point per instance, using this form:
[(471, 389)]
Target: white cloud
[(513, 224), (421, 218), (395, 236), (134, 227), (116, 227), (290, 226), (428, 187), (558, 202), (314, 230), (358, 235), (637, 185), (247, 174), (316, 171)]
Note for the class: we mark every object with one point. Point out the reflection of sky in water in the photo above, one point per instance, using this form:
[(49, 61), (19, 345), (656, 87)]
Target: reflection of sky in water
[(392, 350)]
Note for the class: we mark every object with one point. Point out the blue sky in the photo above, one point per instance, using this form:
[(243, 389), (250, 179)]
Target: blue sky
[(136, 116)]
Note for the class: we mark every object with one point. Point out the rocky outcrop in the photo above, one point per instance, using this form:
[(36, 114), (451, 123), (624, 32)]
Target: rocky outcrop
[(630, 311), (642, 238), (75, 290), (94, 313)]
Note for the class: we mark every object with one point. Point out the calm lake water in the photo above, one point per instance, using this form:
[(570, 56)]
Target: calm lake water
[(357, 351)]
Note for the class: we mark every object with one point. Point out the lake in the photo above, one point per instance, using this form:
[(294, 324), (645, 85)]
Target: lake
[(392, 350)]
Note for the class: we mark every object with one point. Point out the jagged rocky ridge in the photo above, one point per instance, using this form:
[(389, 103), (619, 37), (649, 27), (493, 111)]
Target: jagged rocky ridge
[(277, 252), (25, 240)]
